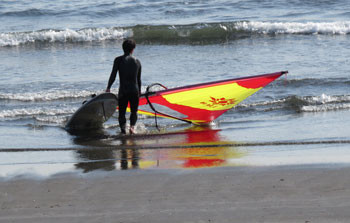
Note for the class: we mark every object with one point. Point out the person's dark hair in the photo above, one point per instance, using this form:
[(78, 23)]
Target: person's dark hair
[(128, 45)]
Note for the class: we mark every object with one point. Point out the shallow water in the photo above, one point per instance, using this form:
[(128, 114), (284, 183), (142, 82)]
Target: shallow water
[(54, 55)]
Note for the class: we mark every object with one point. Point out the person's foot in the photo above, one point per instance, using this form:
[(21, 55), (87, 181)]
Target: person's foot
[(132, 130)]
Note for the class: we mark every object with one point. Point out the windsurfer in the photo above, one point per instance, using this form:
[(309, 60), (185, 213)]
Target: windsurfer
[(129, 84)]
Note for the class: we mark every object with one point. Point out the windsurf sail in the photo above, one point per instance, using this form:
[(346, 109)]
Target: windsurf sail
[(203, 103)]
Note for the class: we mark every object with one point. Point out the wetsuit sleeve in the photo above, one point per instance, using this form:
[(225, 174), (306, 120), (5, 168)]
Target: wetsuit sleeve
[(113, 73), (139, 78)]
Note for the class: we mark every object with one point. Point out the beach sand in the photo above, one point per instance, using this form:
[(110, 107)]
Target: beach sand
[(227, 194)]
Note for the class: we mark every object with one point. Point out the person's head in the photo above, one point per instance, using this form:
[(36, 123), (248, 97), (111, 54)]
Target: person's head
[(129, 46)]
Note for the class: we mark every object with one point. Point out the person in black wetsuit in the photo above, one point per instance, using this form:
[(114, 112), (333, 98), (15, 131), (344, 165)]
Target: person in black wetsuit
[(129, 84)]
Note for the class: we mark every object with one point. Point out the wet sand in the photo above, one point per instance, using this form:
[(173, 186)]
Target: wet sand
[(226, 194)]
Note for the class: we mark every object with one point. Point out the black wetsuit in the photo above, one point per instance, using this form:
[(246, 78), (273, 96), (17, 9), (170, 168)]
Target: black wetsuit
[(129, 86)]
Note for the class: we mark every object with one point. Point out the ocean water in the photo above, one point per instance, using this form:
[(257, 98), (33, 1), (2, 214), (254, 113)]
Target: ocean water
[(55, 54)]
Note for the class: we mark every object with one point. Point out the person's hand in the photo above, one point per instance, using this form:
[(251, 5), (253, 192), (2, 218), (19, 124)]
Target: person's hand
[(108, 90)]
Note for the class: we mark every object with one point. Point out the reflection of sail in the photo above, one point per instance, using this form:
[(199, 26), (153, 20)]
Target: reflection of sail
[(196, 157), (206, 156), (192, 152), (202, 134)]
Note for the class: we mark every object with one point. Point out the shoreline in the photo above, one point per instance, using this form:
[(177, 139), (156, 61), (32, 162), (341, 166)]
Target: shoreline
[(301, 193), (199, 145)]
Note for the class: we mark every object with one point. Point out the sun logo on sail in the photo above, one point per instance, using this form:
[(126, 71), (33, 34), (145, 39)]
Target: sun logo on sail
[(217, 102)]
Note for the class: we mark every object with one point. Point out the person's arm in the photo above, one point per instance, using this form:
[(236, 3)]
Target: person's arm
[(139, 80), (113, 75)]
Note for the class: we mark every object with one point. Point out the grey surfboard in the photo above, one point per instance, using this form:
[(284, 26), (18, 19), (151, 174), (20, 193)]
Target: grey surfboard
[(93, 113)]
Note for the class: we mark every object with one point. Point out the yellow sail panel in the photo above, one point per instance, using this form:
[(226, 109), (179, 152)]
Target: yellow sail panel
[(215, 98)]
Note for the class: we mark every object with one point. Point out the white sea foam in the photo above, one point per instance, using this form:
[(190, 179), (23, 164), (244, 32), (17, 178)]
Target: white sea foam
[(46, 95), (330, 98), (324, 108), (340, 28), (63, 36), (30, 112), (327, 103), (52, 119)]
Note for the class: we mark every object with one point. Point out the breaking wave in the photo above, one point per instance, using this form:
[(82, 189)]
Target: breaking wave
[(62, 36), (322, 103), (173, 34)]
